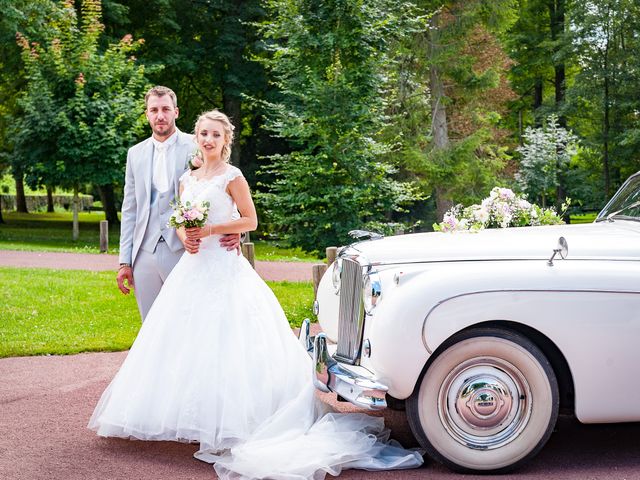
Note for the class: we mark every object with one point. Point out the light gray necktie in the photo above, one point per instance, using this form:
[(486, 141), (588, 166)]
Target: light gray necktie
[(160, 177)]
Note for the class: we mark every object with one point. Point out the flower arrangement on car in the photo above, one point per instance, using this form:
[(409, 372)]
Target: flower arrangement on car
[(501, 209)]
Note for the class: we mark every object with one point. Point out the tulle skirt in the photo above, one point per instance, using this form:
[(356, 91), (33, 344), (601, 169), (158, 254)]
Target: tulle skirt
[(216, 363)]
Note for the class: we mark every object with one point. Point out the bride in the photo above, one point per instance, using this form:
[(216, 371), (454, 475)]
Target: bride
[(215, 361)]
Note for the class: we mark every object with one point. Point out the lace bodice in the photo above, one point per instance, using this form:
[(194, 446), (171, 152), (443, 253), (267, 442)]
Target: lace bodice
[(222, 207)]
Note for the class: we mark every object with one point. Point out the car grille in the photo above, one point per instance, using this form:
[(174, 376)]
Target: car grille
[(351, 317)]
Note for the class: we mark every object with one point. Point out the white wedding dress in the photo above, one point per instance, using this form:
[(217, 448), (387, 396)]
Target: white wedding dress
[(216, 362)]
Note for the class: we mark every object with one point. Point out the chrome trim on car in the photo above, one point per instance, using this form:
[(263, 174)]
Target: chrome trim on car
[(329, 376), (372, 291), (351, 313), (485, 403)]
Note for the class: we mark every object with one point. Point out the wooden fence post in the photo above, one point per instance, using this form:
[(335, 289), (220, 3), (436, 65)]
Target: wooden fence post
[(104, 236), (249, 253), (317, 272), (332, 252)]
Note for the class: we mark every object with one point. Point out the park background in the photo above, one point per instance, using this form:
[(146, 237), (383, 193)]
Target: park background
[(374, 114)]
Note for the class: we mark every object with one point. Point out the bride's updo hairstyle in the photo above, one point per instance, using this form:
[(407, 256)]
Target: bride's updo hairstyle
[(228, 130)]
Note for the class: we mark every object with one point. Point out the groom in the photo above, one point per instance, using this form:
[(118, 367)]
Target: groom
[(149, 249)]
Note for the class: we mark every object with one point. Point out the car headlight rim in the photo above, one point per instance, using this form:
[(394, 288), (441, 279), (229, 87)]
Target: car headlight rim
[(336, 275), (371, 292)]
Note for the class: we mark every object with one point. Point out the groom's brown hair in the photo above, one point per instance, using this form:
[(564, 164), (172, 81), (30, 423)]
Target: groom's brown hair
[(160, 91)]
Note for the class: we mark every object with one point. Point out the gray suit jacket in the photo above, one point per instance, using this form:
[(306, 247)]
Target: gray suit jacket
[(137, 194)]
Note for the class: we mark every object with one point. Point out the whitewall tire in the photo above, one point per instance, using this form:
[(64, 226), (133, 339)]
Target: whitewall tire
[(486, 403)]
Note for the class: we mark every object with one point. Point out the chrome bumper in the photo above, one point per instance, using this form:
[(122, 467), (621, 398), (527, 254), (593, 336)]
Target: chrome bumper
[(330, 376)]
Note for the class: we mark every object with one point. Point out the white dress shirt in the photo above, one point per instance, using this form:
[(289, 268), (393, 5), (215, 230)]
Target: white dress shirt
[(161, 165)]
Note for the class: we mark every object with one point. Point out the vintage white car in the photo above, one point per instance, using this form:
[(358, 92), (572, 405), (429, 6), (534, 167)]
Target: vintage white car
[(487, 336)]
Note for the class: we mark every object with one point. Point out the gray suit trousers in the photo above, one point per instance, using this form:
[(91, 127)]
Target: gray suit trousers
[(150, 271)]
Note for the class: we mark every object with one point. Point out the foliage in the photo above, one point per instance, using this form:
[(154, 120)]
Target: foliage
[(537, 46), (329, 59), (82, 106), (206, 49), (603, 97), (451, 93), (501, 209), (78, 311), (29, 16), (546, 154)]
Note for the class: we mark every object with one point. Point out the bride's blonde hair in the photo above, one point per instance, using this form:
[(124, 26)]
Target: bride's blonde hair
[(227, 126)]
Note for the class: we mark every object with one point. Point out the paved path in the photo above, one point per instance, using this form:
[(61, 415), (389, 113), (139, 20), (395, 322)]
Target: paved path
[(271, 271), (46, 402)]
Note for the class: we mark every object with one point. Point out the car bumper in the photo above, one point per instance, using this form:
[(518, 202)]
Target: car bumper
[(352, 383)]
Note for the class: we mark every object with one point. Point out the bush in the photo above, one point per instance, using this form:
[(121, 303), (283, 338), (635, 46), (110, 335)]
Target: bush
[(39, 202)]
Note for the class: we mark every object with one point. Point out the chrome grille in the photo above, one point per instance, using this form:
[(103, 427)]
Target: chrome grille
[(351, 317)]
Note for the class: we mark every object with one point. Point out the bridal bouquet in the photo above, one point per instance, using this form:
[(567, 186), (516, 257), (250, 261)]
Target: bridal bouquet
[(188, 214)]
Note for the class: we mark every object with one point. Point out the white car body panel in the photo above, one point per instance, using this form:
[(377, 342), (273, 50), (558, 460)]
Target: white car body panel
[(588, 305)]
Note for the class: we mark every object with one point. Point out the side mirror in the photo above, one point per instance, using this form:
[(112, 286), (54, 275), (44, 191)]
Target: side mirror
[(562, 249)]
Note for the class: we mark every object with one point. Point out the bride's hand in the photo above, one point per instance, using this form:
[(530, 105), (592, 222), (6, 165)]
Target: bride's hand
[(190, 245), (196, 233)]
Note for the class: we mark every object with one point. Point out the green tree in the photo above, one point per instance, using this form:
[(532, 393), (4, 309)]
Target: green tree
[(81, 108), (604, 95), (449, 91), (28, 16), (546, 154), (206, 50), (329, 59)]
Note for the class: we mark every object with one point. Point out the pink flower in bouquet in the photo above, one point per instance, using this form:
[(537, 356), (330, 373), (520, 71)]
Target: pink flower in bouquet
[(193, 214)]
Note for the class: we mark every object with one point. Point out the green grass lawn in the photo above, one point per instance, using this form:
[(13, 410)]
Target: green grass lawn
[(62, 312), (584, 217), (52, 232)]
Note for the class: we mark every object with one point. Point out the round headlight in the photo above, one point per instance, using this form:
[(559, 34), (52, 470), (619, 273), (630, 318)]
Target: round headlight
[(371, 292), (335, 274)]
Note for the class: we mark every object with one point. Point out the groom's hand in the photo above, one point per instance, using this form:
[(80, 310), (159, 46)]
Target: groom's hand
[(125, 274), (231, 241)]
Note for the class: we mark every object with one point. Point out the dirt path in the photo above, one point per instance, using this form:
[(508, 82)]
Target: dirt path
[(271, 271)]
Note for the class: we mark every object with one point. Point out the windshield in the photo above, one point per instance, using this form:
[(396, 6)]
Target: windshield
[(625, 204)]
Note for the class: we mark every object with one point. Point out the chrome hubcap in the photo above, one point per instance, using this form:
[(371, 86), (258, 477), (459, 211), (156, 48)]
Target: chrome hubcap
[(485, 403)]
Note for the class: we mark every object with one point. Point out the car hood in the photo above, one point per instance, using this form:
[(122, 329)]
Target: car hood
[(604, 240)]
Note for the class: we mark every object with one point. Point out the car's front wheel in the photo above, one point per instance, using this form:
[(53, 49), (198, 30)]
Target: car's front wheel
[(487, 403)]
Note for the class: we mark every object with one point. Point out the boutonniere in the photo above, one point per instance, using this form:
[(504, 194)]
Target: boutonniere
[(195, 160)]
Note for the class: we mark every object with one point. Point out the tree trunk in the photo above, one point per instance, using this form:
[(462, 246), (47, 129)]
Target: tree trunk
[(108, 198), (233, 109), (605, 140), (439, 128), (49, 200), (1, 217), (76, 208), (606, 123), (21, 199), (537, 101), (556, 17)]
